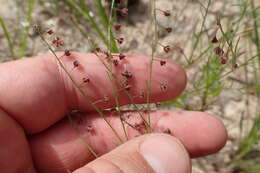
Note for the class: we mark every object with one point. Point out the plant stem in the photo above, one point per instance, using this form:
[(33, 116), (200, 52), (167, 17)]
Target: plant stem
[(79, 89), (154, 46)]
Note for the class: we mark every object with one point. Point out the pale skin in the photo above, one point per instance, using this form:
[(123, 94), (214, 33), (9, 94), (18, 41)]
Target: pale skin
[(36, 95)]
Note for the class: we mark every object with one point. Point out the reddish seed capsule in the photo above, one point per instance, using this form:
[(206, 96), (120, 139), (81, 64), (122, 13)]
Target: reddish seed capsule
[(50, 32), (166, 13), (67, 53), (224, 59), (54, 42), (117, 27), (162, 62), (107, 54), (169, 29), (115, 62), (157, 104), (235, 65), (57, 42), (167, 48), (86, 80), (97, 49), (120, 40), (75, 63), (163, 87), (121, 56), (218, 51), (214, 40), (167, 131), (127, 74)]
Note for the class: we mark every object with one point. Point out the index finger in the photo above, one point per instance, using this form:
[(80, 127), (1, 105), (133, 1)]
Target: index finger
[(37, 92)]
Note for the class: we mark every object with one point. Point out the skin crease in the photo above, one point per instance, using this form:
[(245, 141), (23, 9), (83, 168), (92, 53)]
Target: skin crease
[(34, 125)]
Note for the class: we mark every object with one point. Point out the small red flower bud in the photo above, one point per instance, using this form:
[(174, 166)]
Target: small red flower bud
[(50, 32), (163, 86), (121, 56), (158, 104), (166, 13), (67, 53), (115, 62), (120, 40), (167, 48), (162, 62), (224, 59), (97, 49), (75, 63), (86, 80), (235, 65), (117, 27), (57, 42), (107, 54), (167, 131), (218, 51), (214, 40), (169, 29), (127, 74)]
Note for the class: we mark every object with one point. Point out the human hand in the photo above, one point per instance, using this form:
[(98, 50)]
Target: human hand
[(36, 95)]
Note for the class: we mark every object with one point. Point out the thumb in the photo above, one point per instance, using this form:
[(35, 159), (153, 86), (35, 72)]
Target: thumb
[(157, 153)]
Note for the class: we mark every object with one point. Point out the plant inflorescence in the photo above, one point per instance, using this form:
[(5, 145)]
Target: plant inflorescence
[(220, 53)]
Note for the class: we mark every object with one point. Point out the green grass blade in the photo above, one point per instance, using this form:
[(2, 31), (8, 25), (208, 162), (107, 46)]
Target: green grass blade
[(102, 13), (106, 21), (251, 139), (86, 14), (24, 33), (8, 38)]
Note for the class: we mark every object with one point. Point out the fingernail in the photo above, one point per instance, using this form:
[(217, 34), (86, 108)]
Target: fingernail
[(165, 155)]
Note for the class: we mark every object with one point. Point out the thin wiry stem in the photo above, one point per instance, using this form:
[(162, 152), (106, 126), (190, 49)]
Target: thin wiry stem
[(154, 46), (109, 68), (110, 74), (79, 89), (117, 103), (127, 93)]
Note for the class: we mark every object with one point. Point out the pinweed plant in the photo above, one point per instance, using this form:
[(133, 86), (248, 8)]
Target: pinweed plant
[(221, 54)]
